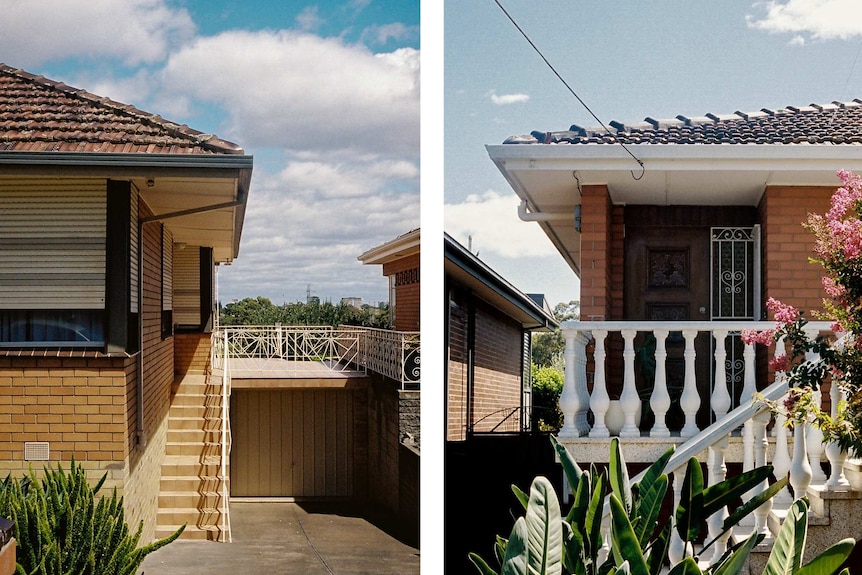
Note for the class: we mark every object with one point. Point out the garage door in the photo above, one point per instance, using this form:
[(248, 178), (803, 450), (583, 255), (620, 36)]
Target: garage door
[(292, 443)]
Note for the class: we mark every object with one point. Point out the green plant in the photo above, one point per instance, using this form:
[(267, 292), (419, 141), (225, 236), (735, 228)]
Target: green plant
[(543, 542), (63, 528), (547, 387)]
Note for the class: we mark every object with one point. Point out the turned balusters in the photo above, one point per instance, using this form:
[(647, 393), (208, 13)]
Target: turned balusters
[(600, 400)]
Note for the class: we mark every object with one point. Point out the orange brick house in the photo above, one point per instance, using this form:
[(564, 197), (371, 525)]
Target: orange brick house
[(692, 219), (111, 222), (488, 324), (400, 260)]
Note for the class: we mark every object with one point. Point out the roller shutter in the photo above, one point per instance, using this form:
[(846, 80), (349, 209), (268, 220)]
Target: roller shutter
[(52, 244), (187, 286)]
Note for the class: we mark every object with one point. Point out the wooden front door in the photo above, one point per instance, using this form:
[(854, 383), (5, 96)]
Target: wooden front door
[(668, 271)]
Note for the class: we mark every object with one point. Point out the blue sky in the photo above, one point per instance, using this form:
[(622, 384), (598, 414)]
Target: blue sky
[(626, 60), (325, 95)]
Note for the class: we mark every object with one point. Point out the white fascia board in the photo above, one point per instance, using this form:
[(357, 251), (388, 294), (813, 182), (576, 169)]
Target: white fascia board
[(675, 157), (400, 247)]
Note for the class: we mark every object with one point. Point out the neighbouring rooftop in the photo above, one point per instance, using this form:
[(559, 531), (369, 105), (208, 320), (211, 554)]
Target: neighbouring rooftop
[(835, 123)]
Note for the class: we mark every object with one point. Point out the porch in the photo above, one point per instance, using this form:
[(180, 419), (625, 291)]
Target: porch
[(702, 392)]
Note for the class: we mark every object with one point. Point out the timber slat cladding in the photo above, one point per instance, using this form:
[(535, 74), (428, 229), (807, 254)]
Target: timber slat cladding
[(292, 443)]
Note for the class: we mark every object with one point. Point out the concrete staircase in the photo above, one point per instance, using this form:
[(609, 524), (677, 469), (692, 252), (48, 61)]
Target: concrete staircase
[(190, 490)]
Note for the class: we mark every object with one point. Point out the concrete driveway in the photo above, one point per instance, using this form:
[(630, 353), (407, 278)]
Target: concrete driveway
[(309, 538)]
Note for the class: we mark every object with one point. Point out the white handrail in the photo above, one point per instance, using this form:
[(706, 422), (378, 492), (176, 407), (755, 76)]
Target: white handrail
[(225, 394)]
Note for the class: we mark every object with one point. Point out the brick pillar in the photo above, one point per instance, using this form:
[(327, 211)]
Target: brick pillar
[(596, 258)]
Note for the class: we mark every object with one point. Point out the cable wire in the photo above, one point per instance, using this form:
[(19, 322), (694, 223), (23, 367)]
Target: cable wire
[(569, 88)]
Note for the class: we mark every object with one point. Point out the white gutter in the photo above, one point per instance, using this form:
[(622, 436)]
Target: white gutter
[(542, 216)]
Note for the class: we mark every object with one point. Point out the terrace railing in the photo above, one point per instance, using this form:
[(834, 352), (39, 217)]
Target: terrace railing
[(393, 354)]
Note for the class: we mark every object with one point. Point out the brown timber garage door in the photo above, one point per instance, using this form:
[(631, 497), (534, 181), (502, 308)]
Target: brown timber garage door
[(292, 443)]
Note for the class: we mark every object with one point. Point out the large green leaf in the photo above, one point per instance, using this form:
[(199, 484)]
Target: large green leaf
[(521, 496), (734, 563), (593, 519), (619, 476), (689, 513), (789, 544), (544, 529), (756, 501), (517, 556), (830, 560), (687, 566), (624, 543), (480, 564), (658, 550), (649, 507), (570, 466), (655, 471), (721, 494)]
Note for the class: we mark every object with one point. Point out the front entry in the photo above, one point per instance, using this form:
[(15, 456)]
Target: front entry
[(668, 277)]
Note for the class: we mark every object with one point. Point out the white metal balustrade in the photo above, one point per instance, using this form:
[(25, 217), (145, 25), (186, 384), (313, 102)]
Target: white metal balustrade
[(799, 456)]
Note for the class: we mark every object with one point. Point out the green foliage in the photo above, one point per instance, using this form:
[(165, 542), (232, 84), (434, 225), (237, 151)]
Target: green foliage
[(543, 542), (62, 528), (547, 387), (261, 311)]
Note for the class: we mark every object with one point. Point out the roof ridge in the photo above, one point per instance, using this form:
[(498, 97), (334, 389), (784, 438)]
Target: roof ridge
[(183, 131)]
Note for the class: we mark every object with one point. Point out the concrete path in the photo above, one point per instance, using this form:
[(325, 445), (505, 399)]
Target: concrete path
[(275, 538)]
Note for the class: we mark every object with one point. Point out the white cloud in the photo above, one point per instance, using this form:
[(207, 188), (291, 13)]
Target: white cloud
[(300, 91), (308, 223), (385, 33), (821, 19), (131, 31), (309, 19), (506, 99), (492, 221)]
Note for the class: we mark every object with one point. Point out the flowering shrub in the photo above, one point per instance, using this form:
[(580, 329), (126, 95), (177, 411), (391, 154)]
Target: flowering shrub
[(838, 249)]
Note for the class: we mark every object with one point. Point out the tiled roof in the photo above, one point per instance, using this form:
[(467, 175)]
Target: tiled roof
[(41, 115), (835, 123)]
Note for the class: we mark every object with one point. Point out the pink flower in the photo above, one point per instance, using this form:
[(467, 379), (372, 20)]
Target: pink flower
[(784, 314), (780, 363), (832, 289)]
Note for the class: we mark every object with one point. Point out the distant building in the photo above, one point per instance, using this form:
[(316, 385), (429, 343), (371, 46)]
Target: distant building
[(352, 301)]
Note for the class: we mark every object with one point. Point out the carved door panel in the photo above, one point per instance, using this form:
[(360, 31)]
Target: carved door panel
[(667, 278)]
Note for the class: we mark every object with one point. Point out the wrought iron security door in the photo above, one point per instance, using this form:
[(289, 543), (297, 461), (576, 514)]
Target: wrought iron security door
[(735, 290)]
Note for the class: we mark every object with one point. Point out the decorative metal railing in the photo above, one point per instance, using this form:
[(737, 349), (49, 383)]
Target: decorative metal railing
[(393, 354)]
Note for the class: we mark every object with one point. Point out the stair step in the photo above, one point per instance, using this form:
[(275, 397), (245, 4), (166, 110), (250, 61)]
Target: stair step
[(177, 423), (188, 499), (189, 484), (199, 449), (191, 532), (195, 410), (200, 518), (197, 399), (198, 436)]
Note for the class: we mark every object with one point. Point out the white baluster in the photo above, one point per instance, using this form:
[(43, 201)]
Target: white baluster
[(781, 459), (569, 396), (800, 469), (582, 395), (814, 442), (813, 436), (717, 471), (678, 549), (720, 398), (749, 388), (660, 399), (629, 399), (600, 400), (761, 445), (690, 399), (834, 453)]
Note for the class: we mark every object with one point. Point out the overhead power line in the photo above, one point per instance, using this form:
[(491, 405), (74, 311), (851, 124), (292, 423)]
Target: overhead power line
[(572, 91)]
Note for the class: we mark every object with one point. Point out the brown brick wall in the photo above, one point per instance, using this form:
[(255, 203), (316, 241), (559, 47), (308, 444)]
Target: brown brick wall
[(596, 255), (406, 294), (497, 369), (456, 371), (787, 245), (191, 353)]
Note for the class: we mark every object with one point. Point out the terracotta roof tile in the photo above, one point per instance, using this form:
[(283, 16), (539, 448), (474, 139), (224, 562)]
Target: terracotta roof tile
[(833, 123), (37, 114)]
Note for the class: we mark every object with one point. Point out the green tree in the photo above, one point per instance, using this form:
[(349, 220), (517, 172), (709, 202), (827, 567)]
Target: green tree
[(548, 347), (547, 386)]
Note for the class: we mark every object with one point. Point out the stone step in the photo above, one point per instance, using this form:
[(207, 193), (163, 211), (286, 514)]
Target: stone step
[(201, 410), (191, 532), (189, 483), (189, 499), (209, 449), (179, 423), (197, 399), (189, 466), (198, 436)]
